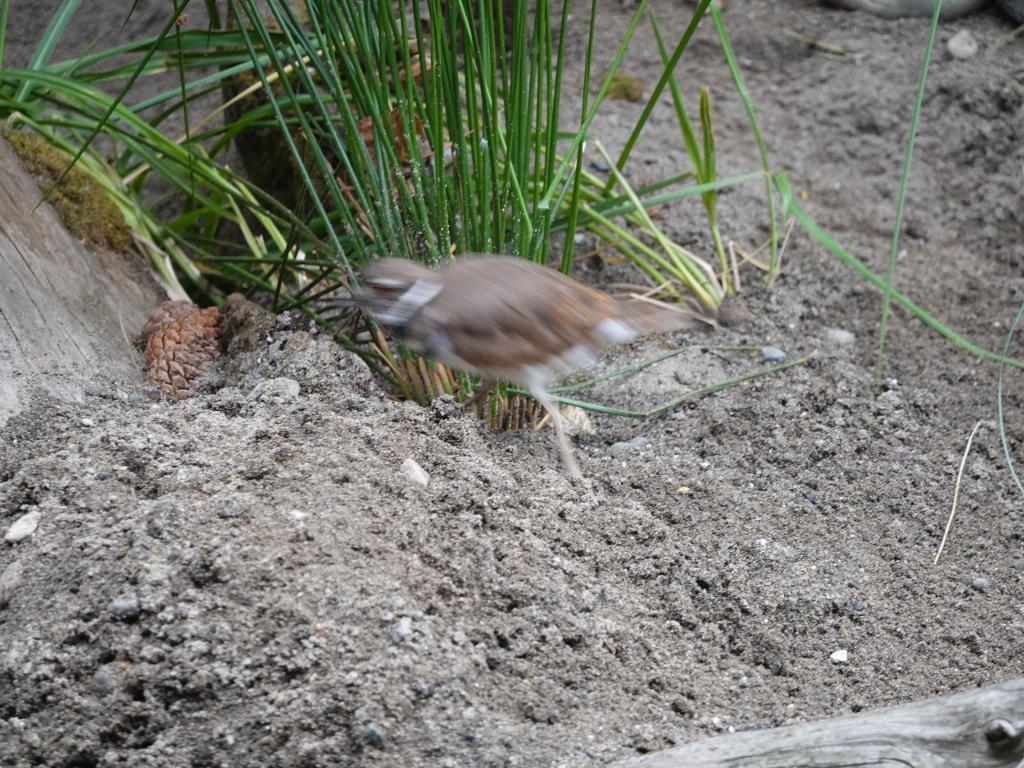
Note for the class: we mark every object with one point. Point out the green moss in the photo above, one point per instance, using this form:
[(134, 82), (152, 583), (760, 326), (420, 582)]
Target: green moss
[(626, 88), (86, 210)]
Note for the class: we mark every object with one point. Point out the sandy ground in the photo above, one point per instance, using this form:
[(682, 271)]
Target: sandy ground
[(246, 578)]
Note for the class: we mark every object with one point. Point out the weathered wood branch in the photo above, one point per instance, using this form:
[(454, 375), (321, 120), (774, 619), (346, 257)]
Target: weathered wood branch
[(977, 729), (67, 314)]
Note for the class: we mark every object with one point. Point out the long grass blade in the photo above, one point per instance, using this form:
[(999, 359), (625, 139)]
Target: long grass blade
[(48, 42), (901, 200), (619, 372), (574, 207), (827, 242), (628, 370), (682, 116), (620, 205), (748, 106), (728, 383), (675, 402), (4, 9), (1004, 39), (695, 277), (666, 75)]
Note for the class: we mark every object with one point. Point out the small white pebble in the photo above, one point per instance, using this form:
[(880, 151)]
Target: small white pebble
[(414, 473), (839, 337), (402, 630), (87, 422), (23, 527), (840, 657), (962, 45), (9, 579)]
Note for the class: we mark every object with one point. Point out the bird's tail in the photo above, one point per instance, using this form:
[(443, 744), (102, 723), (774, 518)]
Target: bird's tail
[(653, 316)]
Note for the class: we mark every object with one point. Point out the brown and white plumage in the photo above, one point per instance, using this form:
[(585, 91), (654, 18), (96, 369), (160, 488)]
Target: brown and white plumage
[(510, 319)]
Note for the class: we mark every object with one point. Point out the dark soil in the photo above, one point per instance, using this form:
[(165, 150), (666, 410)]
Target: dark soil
[(246, 578)]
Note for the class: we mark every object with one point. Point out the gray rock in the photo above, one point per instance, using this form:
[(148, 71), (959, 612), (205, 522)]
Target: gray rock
[(198, 647), (375, 736), (9, 580), (896, 8), (414, 473), (125, 607), (962, 45), (839, 338), (620, 449), (977, 583), (773, 354), (151, 654), (889, 401), (23, 527), (279, 390), (174, 634), (402, 630), (103, 680)]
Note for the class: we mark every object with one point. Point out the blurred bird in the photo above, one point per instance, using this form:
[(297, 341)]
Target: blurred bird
[(511, 319)]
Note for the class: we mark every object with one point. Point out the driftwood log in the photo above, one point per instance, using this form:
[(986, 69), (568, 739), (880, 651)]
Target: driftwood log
[(67, 314), (977, 729)]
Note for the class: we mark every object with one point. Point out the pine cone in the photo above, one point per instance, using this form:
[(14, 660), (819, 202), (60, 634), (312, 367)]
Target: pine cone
[(181, 340)]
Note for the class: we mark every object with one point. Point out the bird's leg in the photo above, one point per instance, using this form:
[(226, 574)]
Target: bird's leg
[(551, 407)]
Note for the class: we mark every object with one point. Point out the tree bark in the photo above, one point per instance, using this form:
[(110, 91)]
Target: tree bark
[(67, 314), (977, 729)]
